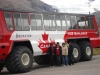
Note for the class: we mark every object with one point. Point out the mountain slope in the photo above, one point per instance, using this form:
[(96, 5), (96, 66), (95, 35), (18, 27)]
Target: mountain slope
[(25, 5)]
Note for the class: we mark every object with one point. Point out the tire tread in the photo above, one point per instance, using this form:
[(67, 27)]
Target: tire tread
[(13, 64)]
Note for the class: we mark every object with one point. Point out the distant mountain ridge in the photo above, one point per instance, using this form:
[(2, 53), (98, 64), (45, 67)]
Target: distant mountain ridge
[(25, 5), (34, 5)]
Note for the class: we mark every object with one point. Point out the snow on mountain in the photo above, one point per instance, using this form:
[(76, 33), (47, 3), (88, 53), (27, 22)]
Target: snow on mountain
[(69, 6), (74, 6)]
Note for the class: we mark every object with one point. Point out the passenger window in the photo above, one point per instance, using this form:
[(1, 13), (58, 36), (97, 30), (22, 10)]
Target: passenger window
[(21, 21), (63, 22), (8, 19), (24, 20), (46, 22), (58, 22), (52, 22), (81, 22), (39, 21), (33, 22), (17, 21), (73, 22), (68, 22)]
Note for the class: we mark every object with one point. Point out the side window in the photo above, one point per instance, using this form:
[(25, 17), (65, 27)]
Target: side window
[(52, 22), (63, 22), (81, 22), (58, 22), (17, 21), (33, 22), (98, 21), (24, 20), (68, 22), (8, 19), (90, 24), (46, 22), (73, 22), (39, 21), (21, 21)]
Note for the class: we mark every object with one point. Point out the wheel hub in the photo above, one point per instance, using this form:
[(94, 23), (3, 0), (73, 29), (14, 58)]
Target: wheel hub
[(25, 59), (75, 52), (88, 51)]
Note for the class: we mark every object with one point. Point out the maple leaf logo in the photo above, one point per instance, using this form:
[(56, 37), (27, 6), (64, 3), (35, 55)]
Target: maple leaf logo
[(45, 36), (44, 43)]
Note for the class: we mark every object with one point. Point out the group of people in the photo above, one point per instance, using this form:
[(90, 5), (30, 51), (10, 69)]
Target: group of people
[(61, 55)]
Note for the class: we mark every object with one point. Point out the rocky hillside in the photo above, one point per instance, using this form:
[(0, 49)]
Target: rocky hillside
[(25, 5)]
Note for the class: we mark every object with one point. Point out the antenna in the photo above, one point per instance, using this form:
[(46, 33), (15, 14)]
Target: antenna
[(89, 4)]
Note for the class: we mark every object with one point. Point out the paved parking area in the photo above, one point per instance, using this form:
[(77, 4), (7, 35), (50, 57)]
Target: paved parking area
[(81, 68)]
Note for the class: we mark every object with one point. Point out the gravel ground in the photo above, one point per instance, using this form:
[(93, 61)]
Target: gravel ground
[(81, 68)]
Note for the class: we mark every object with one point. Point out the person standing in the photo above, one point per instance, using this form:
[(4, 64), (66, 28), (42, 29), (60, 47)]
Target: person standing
[(58, 54), (51, 54), (54, 54), (64, 54), (66, 44), (70, 53)]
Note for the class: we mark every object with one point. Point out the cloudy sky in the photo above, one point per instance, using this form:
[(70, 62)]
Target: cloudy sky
[(76, 6)]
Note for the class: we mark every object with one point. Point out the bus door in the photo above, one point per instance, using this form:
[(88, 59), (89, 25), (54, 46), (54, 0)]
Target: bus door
[(91, 26), (93, 31), (88, 24)]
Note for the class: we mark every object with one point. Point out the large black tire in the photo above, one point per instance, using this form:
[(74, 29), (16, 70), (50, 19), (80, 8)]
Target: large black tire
[(19, 60), (76, 53), (42, 59), (86, 50), (1, 66)]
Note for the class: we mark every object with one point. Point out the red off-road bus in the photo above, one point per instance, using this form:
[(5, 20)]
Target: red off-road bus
[(26, 36)]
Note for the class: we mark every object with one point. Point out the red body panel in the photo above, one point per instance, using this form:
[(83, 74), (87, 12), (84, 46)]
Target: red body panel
[(5, 43), (78, 34)]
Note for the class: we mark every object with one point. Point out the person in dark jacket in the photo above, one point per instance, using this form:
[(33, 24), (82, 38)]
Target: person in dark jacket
[(51, 54), (58, 54), (70, 54), (54, 54)]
